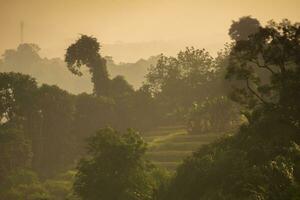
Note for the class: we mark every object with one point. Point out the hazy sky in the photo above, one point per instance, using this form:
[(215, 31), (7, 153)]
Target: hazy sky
[(130, 29)]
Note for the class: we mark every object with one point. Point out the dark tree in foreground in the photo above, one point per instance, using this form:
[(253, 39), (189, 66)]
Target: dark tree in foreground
[(268, 65), (262, 160), (243, 28), (85, 51), (115, 168)]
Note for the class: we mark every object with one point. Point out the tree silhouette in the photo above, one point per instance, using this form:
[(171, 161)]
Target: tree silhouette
[(268, 64), (114, 168), (85, 51), (243, 28)]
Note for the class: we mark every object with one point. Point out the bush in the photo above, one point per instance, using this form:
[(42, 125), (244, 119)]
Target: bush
[(217, 114)]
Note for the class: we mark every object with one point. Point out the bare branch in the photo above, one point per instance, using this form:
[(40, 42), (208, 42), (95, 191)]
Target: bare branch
[(254, 93), (262, 66)]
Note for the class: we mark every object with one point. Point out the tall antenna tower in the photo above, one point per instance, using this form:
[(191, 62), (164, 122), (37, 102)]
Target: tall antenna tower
[(21, 32)]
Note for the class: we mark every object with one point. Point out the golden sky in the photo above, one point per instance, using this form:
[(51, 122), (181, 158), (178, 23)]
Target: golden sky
[(129, 29)]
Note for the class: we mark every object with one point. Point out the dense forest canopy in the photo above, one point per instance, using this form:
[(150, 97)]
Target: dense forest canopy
[(78, 144)]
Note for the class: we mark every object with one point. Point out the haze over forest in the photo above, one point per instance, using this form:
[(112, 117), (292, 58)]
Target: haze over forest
[(149, 100)]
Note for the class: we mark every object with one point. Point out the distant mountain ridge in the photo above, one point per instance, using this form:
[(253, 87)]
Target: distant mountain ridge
[(55, 72), (134, 73)]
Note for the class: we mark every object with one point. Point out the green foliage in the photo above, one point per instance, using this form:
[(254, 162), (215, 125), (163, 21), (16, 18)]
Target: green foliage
[(55, 123), (35, 118), (42, 128), (192, 67), (262, 160), (85, 51), (60, 187), (168, 146), (15, 151), (120, 87), (245, 27), (266, 64), (17, 95), (115, 168), (177, 83), (144, 109), (23, 184), (249, 165), (213, 115), (53, 142)]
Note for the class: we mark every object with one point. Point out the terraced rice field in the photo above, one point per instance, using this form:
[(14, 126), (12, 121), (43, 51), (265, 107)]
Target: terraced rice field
[(168, 146)]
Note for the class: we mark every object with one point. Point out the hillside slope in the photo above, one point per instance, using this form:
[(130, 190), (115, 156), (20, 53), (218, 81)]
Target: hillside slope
[(168, 146)]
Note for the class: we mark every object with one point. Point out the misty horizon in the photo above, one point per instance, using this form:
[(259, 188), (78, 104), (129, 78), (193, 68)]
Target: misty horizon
[(133, 29), (149, 100)]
